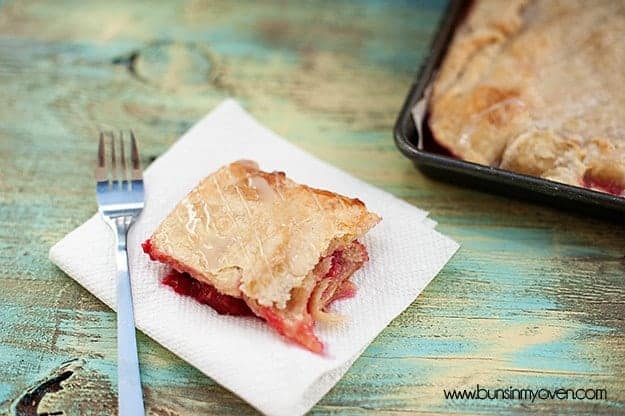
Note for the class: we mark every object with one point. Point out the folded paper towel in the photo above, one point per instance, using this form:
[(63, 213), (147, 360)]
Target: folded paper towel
[(243, 354)]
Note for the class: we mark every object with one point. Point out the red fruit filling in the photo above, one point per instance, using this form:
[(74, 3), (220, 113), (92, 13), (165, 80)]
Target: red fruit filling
[(147, 249), (606, 185), (297, 330), (185, 285), (309, 303)]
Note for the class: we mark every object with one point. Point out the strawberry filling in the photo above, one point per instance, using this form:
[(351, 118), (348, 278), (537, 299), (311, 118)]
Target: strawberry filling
[(610, 186), (299, 331), (328, 283), (185, 285)]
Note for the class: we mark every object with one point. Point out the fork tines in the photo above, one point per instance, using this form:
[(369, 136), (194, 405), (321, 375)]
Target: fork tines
[(117, 174)]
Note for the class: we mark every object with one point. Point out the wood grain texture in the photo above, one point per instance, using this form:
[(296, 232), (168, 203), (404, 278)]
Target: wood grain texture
[(534, 298)]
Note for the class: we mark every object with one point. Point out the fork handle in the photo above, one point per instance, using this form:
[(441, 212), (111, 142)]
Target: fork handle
[(130, 398)]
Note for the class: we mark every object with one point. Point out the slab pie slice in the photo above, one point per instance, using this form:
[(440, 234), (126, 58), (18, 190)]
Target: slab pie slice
[(255, 242)]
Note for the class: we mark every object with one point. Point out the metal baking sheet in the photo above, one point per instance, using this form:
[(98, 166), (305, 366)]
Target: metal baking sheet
[(415, 141)]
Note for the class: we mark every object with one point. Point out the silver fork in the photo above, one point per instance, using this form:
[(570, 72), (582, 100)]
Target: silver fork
[(119, 191)]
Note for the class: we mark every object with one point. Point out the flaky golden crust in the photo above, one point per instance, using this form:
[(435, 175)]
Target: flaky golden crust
[(536, 87), (255, 234)]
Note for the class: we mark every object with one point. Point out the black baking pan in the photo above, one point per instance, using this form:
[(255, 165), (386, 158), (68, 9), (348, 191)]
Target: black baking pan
[(415, 141)]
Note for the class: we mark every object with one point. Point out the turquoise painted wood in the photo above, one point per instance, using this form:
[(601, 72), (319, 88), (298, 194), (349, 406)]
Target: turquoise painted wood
[(535, 298)]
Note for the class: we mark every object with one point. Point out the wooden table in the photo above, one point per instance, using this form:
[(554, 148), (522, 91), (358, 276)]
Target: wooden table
[(535, 297)]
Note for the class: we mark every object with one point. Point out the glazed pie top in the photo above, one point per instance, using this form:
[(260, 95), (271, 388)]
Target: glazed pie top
[(286, 249), (247, 231), (537, 87)]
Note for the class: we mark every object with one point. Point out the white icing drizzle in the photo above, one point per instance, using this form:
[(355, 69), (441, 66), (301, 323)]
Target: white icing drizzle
[(192, 218), (258, 240), (262, 187)]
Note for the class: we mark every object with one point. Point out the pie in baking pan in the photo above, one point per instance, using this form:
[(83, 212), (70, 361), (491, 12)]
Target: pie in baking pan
[(537, 87), (248, 242)]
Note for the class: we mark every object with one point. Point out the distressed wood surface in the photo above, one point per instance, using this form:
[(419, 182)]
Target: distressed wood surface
[(534, 298)]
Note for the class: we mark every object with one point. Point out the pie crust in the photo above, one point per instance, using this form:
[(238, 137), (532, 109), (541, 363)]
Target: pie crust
[(537, 87), (287, 250)]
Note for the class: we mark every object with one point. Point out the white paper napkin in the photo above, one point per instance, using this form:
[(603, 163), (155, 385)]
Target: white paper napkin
[(244, 354)]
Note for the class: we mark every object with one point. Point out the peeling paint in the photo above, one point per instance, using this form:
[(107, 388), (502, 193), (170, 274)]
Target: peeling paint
[(28, 402)]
